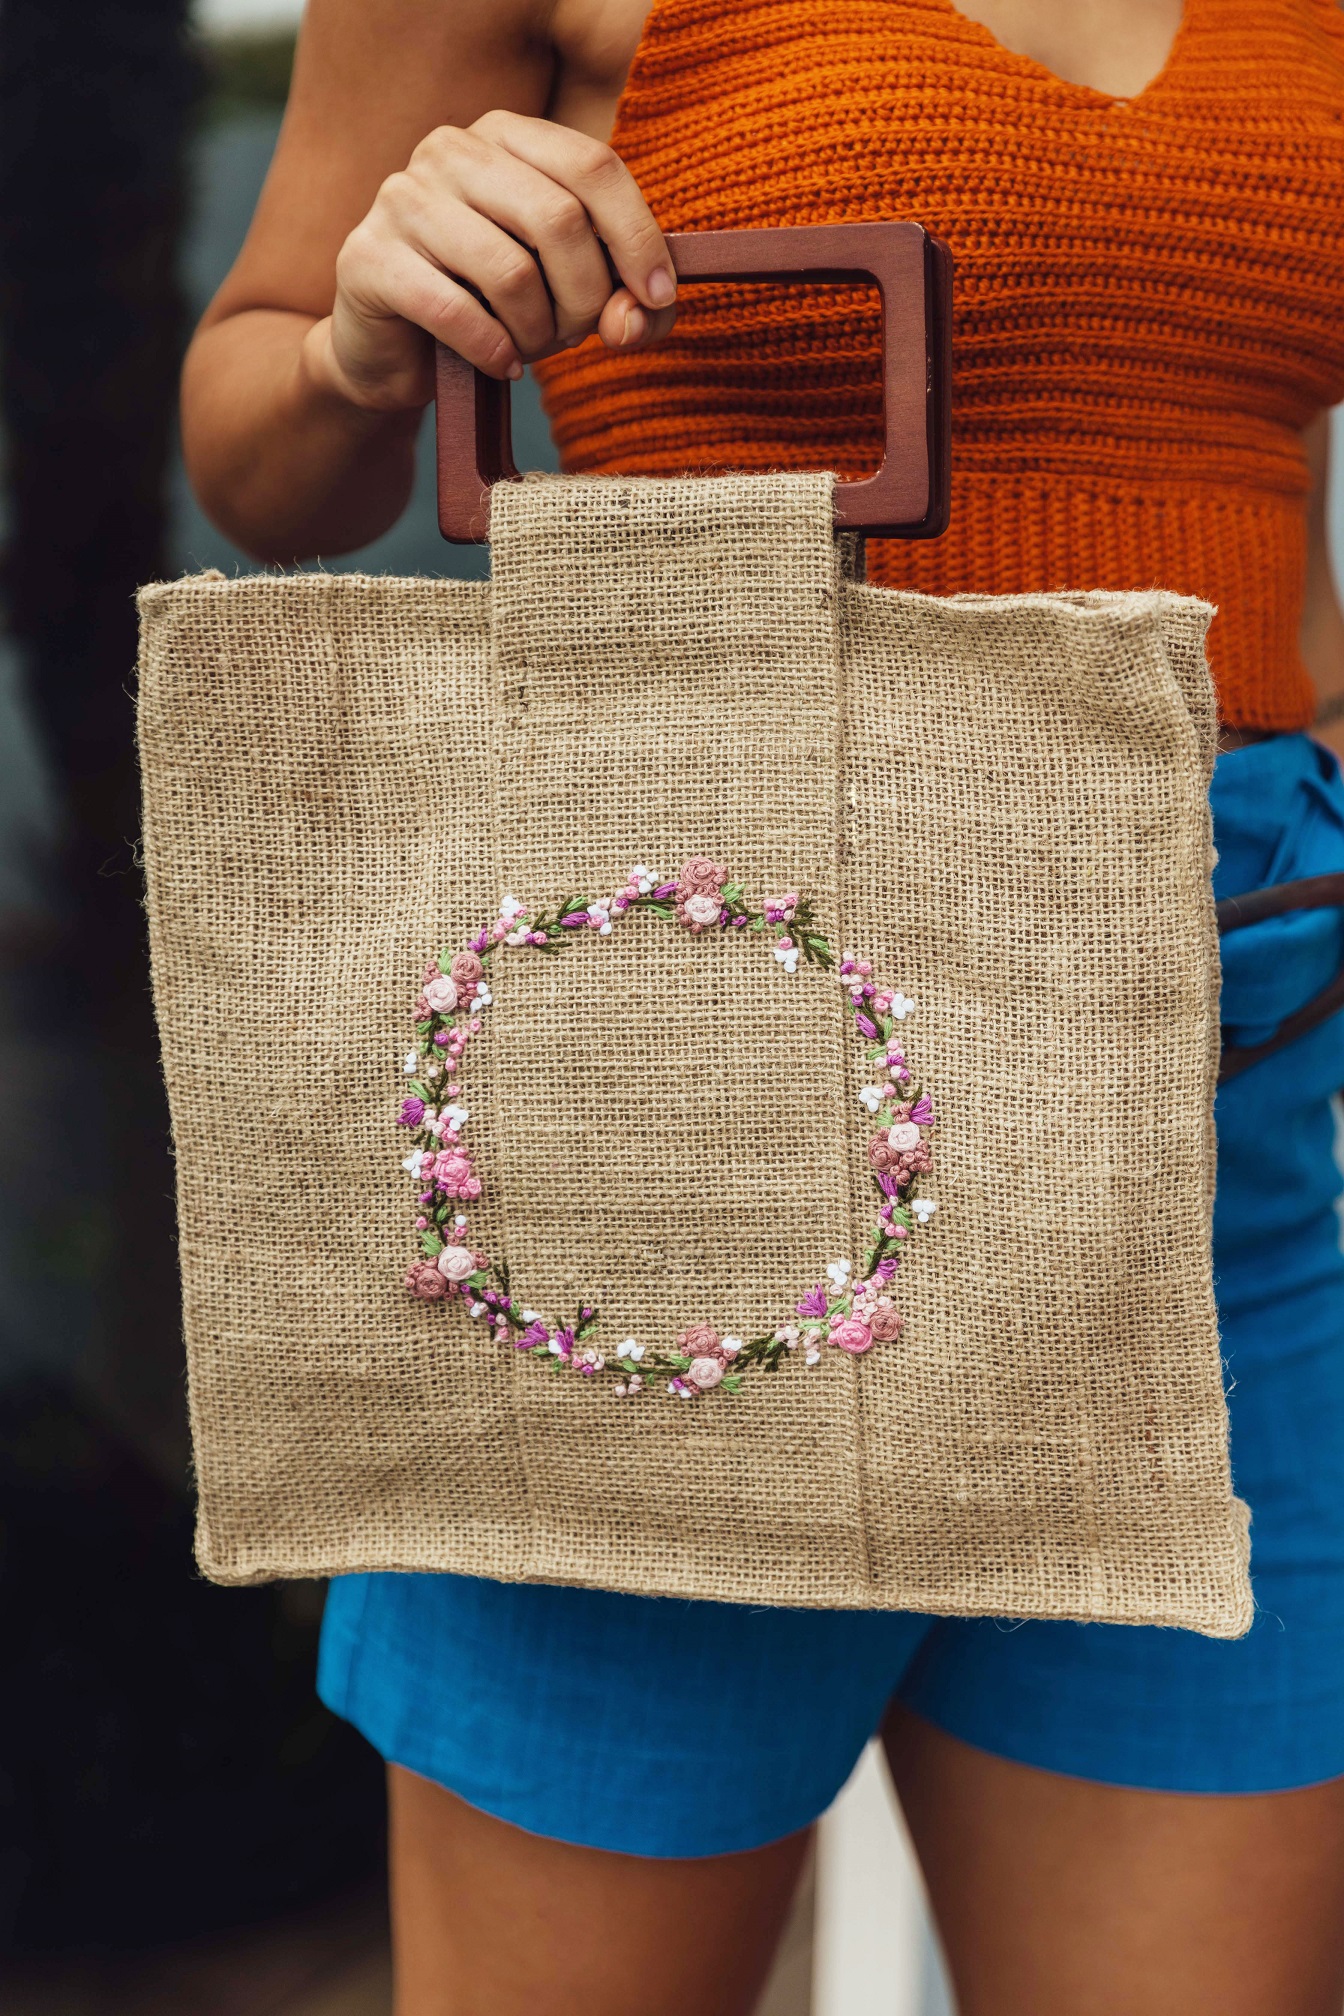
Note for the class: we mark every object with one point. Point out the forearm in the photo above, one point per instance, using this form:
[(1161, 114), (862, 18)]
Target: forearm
[(283, 464)]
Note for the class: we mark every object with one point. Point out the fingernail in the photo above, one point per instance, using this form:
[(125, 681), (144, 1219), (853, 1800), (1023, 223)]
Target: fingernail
[(662, 287), (515, 370), (636, 325)]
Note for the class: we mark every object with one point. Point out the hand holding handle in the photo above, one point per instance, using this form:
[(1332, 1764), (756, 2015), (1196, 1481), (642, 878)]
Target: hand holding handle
[(909, 494)]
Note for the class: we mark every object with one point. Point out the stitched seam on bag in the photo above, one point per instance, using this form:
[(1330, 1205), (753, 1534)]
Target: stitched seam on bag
[(504, 711)]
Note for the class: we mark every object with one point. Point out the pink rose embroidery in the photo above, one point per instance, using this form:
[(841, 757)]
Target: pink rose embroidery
[(853, 1314), (441, 995), (466, 970), (852, 1336), (701, 877), (453, 1172), (425, 1281)]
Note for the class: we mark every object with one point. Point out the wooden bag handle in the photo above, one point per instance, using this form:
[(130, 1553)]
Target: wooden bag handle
[(908, 498)]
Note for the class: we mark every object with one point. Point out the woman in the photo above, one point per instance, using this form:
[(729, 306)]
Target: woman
[(1145, 203)]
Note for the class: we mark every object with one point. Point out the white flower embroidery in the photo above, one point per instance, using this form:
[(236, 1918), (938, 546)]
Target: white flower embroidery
[(840, 1296)]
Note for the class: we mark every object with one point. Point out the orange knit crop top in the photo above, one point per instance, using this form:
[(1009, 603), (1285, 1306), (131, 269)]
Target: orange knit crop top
[(1149, 299)]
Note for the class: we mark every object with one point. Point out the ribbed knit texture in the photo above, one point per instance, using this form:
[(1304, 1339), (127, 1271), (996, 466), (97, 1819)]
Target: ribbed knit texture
[(1149, 294)]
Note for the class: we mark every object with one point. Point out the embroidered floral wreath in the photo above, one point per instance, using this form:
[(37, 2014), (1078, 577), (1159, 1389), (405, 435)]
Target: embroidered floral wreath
[(850, 1310)]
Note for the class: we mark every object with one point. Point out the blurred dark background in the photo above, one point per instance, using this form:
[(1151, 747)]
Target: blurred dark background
[(184, 1831), (182, 1826)]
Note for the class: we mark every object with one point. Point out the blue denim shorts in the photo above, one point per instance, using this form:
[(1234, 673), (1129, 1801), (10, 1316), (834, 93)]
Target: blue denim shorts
[(660, 1727)]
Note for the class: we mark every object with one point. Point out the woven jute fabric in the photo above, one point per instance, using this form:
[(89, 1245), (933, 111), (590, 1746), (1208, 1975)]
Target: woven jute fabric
[(1002, 802)]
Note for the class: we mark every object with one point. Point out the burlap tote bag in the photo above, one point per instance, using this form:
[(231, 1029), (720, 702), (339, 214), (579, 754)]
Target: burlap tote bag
[(771, 1022)]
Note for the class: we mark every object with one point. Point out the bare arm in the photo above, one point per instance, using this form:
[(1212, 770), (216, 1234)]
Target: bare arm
[(414, 165), (1322, 620)]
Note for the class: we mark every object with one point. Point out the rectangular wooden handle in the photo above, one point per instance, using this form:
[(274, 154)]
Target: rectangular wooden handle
[(907, 498)]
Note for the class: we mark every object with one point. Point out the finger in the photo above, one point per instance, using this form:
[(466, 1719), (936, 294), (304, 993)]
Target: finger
[(626, 325), (607, 191), (473, 248), (537, 212), (407, 284)]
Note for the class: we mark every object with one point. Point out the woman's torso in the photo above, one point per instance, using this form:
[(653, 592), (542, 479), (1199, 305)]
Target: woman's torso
[(1149, 289)]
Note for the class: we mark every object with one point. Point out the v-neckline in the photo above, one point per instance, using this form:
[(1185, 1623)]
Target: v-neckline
[(1029, 66)]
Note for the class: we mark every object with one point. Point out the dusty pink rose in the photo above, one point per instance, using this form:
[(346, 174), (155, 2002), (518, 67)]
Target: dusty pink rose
[(700, 911), (701, 877), (482, 1261), (454, 1173), (425, 1280), (885, 1324), (705, 1372), (455, 1263), (903, 1136), (852, 1336), (466, 970), (441, 995), (880, 1154), (700, 1341)]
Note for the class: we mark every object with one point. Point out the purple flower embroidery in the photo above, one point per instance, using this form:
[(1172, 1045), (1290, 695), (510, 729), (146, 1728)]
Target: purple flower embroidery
[(701, 896)]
